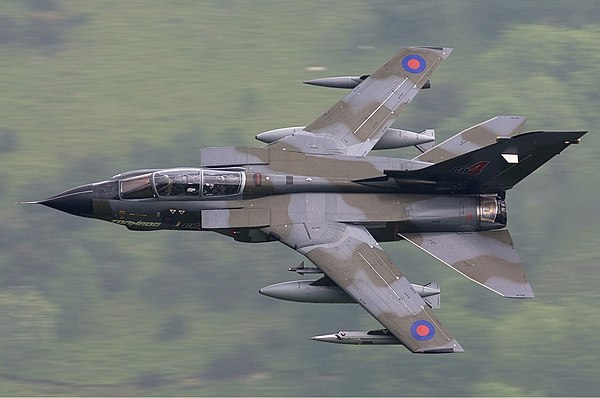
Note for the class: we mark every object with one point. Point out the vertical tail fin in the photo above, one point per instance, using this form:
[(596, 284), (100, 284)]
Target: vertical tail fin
[(475, 137), (492, 169)]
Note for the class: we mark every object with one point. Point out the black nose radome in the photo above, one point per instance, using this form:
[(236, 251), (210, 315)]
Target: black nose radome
[(77, 201)]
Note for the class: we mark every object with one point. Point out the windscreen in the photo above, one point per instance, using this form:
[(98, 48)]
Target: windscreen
[(138, 187)]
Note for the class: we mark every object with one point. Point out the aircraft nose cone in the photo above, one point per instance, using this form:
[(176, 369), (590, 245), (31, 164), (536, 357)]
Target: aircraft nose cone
[(77, 201)]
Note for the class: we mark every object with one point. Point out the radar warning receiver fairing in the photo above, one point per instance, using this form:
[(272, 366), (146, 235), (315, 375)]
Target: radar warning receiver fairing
[(314, 189)]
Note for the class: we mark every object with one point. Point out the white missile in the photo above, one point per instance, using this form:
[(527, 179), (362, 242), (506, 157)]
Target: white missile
[(382, 336), (325, 291), (391, 139)]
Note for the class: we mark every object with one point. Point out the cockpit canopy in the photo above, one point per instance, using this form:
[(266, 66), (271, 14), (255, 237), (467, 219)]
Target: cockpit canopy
[(183, 183)]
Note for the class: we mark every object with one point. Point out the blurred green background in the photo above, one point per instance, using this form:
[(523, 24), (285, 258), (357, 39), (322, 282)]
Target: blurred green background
[(91, 89)]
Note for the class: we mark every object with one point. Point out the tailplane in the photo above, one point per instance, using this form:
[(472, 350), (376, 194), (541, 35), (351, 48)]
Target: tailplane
[(488, 258)]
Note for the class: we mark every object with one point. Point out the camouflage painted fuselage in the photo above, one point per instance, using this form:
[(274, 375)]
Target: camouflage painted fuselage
[(290, 189)]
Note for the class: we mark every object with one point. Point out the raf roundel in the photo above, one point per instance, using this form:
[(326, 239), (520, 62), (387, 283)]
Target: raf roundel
[(422, 330), (414, 63)]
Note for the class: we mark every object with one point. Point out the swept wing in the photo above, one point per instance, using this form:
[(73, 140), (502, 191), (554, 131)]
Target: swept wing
[(354, 125), (351, 258)]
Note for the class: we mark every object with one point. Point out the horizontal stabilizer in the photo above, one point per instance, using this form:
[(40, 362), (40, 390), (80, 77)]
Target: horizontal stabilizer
[(488, 258)]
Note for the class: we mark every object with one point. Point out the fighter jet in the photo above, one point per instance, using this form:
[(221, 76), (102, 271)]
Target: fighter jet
[(315, 189)]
